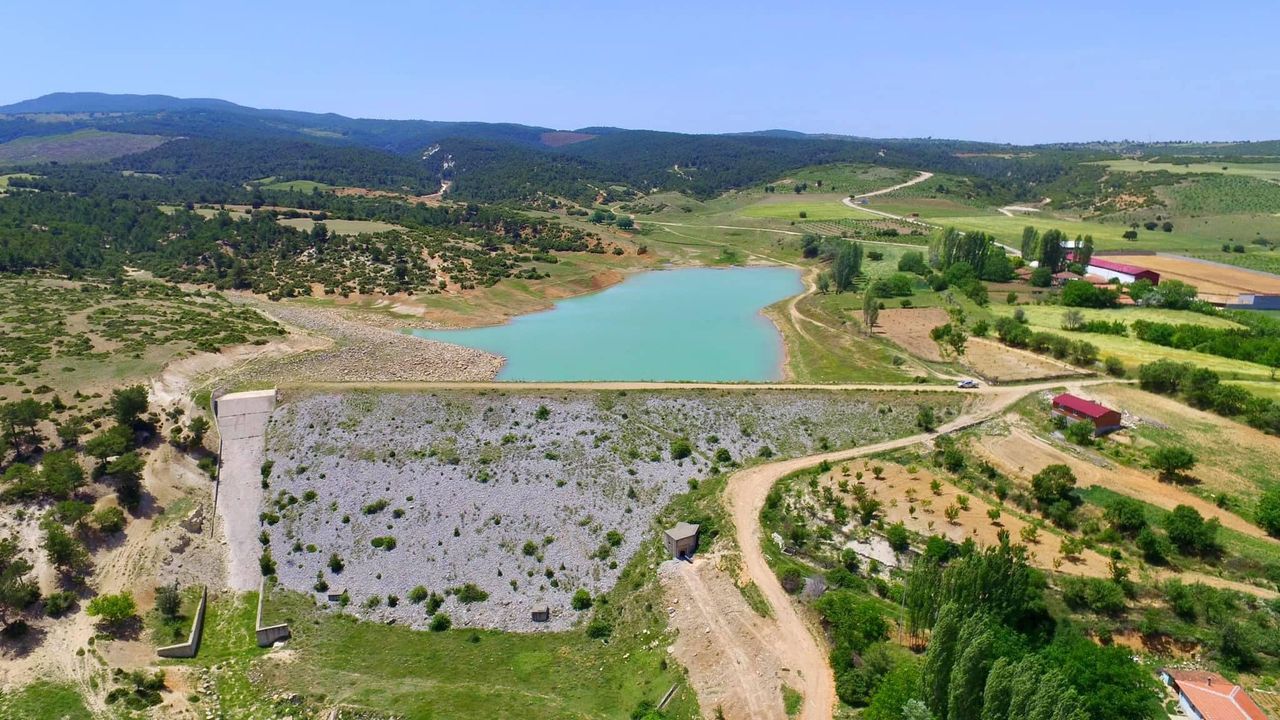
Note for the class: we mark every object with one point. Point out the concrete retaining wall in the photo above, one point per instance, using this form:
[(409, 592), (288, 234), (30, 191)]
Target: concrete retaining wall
[(244, 414), (270, 634), (189, 648)]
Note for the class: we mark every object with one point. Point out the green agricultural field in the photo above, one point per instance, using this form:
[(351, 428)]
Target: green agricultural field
[(845, 178), (1050, 316), (1222, 195), (789, 206), (698, 241), (1254, 258), (926, 207), (1135, 352), (1264, 171), (1106, 236), (305, 186)]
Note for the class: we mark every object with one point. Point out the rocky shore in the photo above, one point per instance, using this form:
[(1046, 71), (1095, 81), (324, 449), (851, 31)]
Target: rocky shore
[(364, 353)]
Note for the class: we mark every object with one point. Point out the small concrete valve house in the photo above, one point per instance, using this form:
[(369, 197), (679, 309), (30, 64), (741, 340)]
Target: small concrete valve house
[(681, 540)]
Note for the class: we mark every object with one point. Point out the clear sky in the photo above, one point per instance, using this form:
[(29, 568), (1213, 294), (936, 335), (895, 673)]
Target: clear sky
[(1020, 71)]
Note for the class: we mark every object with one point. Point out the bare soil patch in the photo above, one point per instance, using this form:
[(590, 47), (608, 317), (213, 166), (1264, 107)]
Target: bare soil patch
[(1021, 454), (999, 363), (732, 654), (909, 499), (361, 352), (560, 139), (909, 328)]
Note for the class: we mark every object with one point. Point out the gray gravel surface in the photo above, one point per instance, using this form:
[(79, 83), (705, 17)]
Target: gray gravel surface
[(488, 488), (364, 353)]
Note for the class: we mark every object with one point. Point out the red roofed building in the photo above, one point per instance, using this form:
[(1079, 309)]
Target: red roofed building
[(1209, 696), (1124, 272), (1104, 419)]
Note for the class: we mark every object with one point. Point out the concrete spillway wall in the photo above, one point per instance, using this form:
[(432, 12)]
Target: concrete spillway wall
[(189, 648), (268, 635)]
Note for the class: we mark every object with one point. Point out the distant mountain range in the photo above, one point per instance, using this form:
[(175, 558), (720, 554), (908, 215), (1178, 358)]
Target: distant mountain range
[(212, 139)]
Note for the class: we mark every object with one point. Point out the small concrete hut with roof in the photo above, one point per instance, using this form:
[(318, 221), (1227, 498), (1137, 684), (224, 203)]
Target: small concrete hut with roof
[(681, 540)]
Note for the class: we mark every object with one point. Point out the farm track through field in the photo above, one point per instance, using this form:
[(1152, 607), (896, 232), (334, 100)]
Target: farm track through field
[(745, 494)]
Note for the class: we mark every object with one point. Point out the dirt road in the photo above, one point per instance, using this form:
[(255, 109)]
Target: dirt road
[(745, 494), (924, 175)]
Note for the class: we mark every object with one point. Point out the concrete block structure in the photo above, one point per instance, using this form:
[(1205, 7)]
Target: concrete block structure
[(681, 540), (541, 613)]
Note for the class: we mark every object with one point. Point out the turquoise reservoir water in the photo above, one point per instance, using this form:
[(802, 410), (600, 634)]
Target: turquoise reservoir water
[(695, 324)]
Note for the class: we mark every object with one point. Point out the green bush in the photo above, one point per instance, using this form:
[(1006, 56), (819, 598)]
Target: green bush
[(1269, 511), (581, 600), (266, 563), (57, 604), (470, 593), (113, 609), (109, 519)]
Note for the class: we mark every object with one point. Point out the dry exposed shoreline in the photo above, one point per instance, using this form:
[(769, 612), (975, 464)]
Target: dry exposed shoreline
[(365, 353)]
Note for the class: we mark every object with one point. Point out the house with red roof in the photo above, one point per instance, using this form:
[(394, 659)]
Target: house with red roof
[(1077, 409), (1209, 696)]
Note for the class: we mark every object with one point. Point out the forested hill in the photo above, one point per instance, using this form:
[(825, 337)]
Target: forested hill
[(619, 164), (199, 117), (215, 141)]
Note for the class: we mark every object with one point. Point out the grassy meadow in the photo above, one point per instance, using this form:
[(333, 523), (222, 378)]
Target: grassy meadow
[(1135, 352), (806, 206), (4, 179), (1264, 171), (294, 185), (44, 700)]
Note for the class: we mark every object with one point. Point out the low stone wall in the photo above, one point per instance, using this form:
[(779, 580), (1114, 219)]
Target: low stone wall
[(189, 648), (270, 634)]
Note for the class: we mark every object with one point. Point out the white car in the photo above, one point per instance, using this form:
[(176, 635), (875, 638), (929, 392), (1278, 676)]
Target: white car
[(967, 384)]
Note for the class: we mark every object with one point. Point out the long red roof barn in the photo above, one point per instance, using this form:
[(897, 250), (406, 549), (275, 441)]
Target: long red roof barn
[(1077, 408)]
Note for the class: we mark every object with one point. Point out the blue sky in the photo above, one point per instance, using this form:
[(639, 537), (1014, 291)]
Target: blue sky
[(999, 71)]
